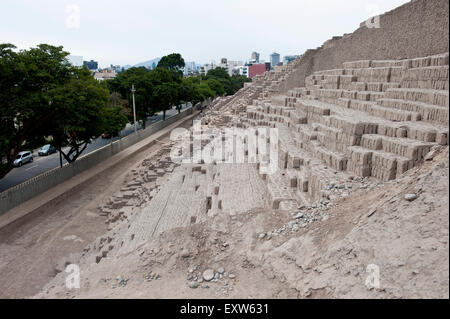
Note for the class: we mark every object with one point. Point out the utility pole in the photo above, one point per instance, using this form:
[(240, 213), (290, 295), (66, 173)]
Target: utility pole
[(134, 107)]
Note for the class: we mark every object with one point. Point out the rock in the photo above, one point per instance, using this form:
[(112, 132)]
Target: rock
[(220, 270), (371, 212), (262, 235), (208, 274), (292, 223), (431, 154), (231, 276), (192, 284), (410, 197), (185, 253)]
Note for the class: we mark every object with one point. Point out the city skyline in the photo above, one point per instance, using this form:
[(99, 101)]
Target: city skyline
[(198, 31)]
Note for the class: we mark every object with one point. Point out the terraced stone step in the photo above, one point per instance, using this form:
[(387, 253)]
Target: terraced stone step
[(434, 60), (411, 149), (372, 117), (379, 164), (378, 74), (428, 96), (377, 110), (431, 77), (357, 122), (427, 112), (333, 159), (313, 108), (278, 190)]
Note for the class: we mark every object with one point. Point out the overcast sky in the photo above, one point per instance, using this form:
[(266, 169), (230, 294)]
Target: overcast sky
[(131, 31)]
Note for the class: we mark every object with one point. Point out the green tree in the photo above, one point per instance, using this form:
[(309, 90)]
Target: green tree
[(237, 82), (116, 100), (114, 120), (145, 82), (25, 78), (205, 91), (215, 85), (185, 93), (222, 76), (141, 79), (174, 62), (78, 110), (218, 73), (165, 96)]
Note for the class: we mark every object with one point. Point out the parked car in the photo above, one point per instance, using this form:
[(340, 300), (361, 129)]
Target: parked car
[(47, 150), (23, 158)]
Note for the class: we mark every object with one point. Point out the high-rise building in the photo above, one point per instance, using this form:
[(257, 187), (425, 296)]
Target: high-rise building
[(255, 57), (274, 59), (206, 67), (224, 64), (189, 68), (91, 65)]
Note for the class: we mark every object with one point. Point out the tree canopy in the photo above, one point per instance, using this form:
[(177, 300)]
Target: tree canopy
[(231, 84), (41, 95), (174, 62), (79, 109)]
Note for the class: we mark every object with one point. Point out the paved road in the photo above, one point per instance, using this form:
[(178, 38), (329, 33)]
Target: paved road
[(42, 164)]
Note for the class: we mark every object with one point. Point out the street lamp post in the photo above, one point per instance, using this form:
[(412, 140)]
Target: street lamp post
[(134, 107)]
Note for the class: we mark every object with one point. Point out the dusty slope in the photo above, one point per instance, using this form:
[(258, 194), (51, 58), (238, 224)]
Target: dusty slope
[(408, 241)]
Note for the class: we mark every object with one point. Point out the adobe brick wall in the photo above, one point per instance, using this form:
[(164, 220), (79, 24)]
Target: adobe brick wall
[(416, 29)]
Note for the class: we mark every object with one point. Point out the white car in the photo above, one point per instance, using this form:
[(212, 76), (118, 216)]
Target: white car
[(23, 158)]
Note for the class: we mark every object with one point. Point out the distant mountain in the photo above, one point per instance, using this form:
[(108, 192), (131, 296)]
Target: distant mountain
[(148, 64)]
